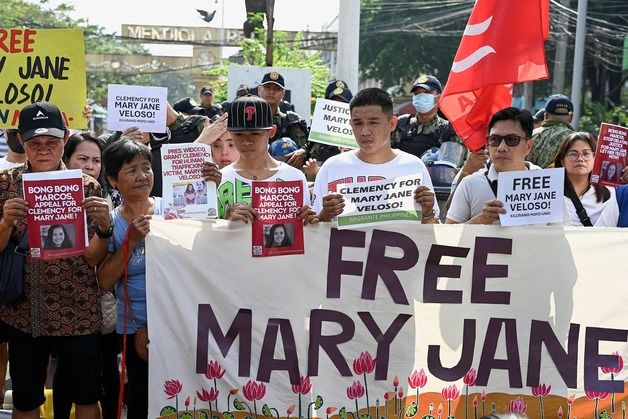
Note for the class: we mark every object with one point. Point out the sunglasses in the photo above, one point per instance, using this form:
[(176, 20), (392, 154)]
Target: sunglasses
[(512, 140)]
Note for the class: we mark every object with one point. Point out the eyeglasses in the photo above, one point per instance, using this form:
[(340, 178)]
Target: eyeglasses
[(512, 140), (574, 155)]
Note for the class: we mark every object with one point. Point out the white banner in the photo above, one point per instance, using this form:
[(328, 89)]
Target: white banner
[(455, 321)]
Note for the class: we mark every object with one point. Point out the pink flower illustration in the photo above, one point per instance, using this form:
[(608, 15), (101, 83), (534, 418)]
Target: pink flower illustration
[(330, 410), (389, 395), (470, 377), (303, 387), (207, 396), (541, 390), (187, 402), (396, 381), (450, 393), (570, 399), (560, 412), (290, 410), (475, 401), (355, 390), (417, 379), (172, 388), (616, 369), (517, 406), (600, 395), (234, 391), (253, 390), (364, 364), (400, 393), (214, 370)]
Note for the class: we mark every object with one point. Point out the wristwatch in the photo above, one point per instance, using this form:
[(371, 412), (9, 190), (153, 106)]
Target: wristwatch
[(105, 234)]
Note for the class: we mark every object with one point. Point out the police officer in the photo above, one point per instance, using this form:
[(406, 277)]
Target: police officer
[(207, 97), (418, 133), (289, 124)]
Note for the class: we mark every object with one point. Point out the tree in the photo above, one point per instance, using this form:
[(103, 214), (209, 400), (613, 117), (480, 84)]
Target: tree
[(285, 54), (20, 13)]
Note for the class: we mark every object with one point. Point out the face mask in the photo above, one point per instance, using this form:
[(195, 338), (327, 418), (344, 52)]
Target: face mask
[(423, 102)]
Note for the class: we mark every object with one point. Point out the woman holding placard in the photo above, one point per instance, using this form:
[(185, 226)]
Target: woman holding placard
[(583, 200)]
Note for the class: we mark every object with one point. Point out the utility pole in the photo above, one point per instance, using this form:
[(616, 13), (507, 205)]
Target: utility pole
[(560, 57), (270, 21), (578, 61), (348, 42)]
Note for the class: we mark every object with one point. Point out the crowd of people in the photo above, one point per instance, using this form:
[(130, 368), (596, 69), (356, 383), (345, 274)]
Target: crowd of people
[(68, 304)]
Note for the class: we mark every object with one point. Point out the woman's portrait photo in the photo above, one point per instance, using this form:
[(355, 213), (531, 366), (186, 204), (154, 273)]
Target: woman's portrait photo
[(279, 236), (185, 193), (611, 172), (56, 236)]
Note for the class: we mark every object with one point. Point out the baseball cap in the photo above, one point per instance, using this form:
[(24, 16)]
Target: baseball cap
[(430, 83), (281, 147), (242, 90), (206, 90), (338, 88), (274, 77), (539, 115), (559, 105), (249, 113), (188, 106), (41, 118)]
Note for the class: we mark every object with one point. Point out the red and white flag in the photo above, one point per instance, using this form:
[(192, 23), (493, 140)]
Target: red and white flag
[(503, 43)]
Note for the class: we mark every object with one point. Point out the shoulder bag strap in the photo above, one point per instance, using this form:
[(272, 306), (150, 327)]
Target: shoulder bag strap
[(580, 211)]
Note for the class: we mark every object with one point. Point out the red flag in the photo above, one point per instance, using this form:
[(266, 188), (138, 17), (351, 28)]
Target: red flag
[(502, 44)]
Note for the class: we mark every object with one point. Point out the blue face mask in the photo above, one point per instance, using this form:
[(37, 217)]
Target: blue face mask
[(423, 102)]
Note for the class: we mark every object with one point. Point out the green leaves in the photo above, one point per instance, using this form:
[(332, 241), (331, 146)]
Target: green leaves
[(228, 415), (318, 403), (266, 411), (365, 416), (342, 413), (237, 404), (167, 411), (412, 410)]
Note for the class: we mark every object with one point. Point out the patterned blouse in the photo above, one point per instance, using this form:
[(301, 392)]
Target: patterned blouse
[(61, 296)]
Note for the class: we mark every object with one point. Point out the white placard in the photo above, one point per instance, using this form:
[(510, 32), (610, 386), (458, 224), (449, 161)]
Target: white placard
[(330, 124), (143, 107), (389, 201), (298, 84), (531, 196)]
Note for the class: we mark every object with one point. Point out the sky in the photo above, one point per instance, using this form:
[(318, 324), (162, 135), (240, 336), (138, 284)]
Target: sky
[(293, 15)]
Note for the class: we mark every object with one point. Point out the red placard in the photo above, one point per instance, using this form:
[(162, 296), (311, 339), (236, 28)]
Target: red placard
[(611, 155), (55, 220), (278, 229)]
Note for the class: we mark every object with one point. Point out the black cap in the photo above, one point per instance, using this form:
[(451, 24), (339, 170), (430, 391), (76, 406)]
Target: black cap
[(12, 141), (249, 113), (206, 89), (274, 77), (188, 106), (559, 105), (242, 90), (539, 115), (41, 118), (338, 88), (430, 83)]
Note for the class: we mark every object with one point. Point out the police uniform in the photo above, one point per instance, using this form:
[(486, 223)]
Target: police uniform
[(415, 137), (212, 110), (289, 124), (552, 132)]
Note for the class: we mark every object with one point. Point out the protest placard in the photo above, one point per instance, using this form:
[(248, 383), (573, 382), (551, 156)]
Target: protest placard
[(42, 65), (330, 124), (185, 192), (531, 196), (56, 220), (143, 107), (388, 201), (277, 230), (611, 155)]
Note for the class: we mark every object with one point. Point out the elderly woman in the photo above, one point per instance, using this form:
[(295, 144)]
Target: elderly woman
[(60, 308), (584, 201), (128, 169)]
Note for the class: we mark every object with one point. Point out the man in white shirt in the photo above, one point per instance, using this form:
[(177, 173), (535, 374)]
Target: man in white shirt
[(372, 122), (15, 156), (509, 142)]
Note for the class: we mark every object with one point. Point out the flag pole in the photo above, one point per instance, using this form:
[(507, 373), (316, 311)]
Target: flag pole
[(578, 60)]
